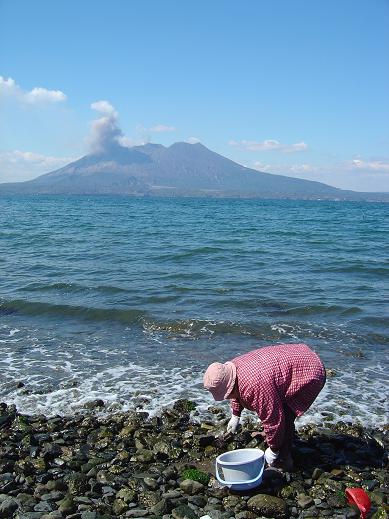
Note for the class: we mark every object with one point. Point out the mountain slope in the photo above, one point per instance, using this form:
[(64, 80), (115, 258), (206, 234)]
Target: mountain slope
[(179, 170)]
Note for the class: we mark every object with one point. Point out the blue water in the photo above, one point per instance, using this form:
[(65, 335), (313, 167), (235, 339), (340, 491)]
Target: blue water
[(129, 299)]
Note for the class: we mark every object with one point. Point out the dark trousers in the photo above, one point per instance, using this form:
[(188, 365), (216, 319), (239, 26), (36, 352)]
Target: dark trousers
[(290, 430)]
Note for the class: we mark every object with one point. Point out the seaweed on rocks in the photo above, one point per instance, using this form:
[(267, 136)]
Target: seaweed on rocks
[(126, 464)]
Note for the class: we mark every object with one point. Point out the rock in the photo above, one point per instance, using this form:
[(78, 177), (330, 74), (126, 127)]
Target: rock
[(137, 512), (199, 501), (144, 455), (77, 484), (304, 501), (172, 494), (56, 495), (56, 484), (28, 515), (206, 440), (66, 505), (8, 507), (183, 512), (119, 506), (51, 451), (148, 499), (184, 406), (26, 502), (151, 483), (56, 514), (89, 514), (126, 494), (170, 472), (376, 497), (160, 508), (268, 506), (94, 404), (164, 451), (44, 506), (191, 487)]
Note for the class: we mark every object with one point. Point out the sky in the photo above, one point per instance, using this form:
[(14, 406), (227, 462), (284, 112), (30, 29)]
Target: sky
[(298, 88)]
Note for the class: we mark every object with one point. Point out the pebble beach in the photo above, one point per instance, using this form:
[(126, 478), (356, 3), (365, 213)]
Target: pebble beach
[(100, 466)]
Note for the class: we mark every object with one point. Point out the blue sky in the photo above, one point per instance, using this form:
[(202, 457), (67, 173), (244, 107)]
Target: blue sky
[(297, 88)]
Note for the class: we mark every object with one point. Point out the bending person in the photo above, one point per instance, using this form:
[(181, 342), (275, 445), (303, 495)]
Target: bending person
[(279, 383)]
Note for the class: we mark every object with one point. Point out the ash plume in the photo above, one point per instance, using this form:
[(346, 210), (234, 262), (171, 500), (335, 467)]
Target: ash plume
[(106, 135)]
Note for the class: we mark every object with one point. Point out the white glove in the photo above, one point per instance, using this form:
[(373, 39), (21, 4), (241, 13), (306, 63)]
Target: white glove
[(270, 456), (233, 424)]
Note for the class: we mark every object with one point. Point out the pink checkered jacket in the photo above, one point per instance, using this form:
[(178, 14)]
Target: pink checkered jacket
[(270, 378)]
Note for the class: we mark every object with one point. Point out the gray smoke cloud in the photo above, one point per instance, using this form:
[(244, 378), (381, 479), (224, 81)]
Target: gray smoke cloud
[(106, 134)]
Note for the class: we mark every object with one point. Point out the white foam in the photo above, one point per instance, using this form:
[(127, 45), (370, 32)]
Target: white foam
[(61, 381)]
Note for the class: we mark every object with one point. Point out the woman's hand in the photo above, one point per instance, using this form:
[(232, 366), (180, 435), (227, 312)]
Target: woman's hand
[(233, 424)]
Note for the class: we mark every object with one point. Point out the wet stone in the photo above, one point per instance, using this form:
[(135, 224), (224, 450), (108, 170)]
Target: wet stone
[(44, 506), (127, 495), (151, 483), (119, 506), (197, 500), (304, 501), (183, 512), (56, 514), (101, 475), (137, 512), (8, 507), (28, 515), (191, 487), (160, 508), (89, 514), (66, 505), (268, 506), (53, 496)]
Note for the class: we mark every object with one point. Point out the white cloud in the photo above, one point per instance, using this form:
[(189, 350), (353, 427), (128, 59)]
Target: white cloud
[(19, 165), (8, 86), (372, 165), (193, 140), (355, 174), (38, 95), (161, 128), (269, 145), (266, 168), (295, 170), (42, 95)]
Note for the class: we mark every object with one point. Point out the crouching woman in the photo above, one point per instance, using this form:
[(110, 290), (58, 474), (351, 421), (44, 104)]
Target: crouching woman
[(279, 383)]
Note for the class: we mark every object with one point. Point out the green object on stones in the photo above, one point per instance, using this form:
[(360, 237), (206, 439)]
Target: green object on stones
[(196, 475), (381, 513), (184, 406)]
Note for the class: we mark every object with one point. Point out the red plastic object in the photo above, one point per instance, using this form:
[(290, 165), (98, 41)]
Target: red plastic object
[(358, 497)]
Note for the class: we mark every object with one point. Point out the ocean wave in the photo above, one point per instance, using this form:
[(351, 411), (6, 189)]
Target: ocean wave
[(350, 268), (70, 288), (275, 326), (125, 316)]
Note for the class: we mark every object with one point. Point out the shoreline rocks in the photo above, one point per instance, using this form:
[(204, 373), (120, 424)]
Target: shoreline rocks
[(129, 465)]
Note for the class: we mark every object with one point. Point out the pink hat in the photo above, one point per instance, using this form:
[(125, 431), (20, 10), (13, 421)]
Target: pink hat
[(219, 379)]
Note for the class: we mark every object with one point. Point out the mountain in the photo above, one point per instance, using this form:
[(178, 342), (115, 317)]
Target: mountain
[(181, 169)]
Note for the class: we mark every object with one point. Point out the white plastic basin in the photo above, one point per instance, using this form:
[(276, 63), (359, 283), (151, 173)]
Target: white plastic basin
[(241, 469)]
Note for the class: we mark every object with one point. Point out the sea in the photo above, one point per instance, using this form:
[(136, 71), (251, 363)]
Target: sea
[(129, 299)]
